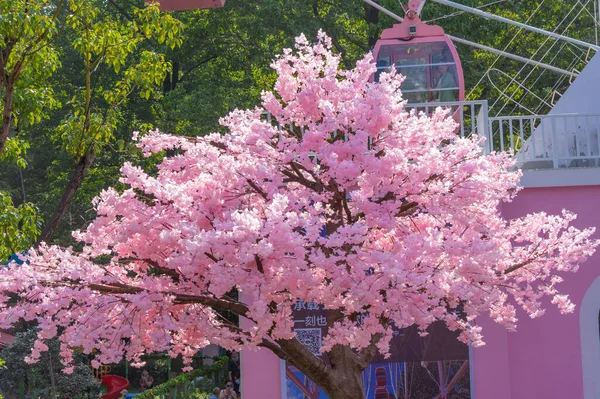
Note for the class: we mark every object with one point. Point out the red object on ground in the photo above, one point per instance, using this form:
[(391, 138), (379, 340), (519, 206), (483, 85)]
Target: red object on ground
[(115, 385), (5, 339)]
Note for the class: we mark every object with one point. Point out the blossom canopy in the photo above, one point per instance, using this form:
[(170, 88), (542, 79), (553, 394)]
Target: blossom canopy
[(340, 196)]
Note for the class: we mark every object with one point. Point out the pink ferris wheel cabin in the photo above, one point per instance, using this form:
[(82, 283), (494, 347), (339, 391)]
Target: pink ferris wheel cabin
[(175, 5), (425, 56)]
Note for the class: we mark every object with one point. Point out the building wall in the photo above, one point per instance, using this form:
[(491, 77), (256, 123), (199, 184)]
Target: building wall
[(543, 358), (260, 372)]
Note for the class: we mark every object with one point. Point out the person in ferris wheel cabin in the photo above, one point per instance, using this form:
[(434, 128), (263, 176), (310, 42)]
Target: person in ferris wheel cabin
[(446, 81), (446, 84)]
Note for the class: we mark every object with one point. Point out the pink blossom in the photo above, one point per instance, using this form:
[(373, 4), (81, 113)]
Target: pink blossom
[(411, 213)]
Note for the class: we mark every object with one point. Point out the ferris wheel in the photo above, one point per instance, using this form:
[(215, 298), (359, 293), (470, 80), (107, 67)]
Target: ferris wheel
[(404, 48), (428, 59)]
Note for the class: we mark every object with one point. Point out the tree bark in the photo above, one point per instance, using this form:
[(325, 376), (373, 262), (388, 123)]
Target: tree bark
[(340, 379), (81, 170), (346, 376), (7, 115)]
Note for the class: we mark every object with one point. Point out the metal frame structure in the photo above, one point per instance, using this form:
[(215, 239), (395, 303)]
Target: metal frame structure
[(488, 15), (481, 46)]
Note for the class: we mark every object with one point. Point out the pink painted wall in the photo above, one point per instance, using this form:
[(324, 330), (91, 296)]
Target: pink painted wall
[(543, 358), (261, 374)]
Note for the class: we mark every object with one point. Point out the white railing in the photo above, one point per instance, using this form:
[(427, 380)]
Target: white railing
[(472, 116), (548, 141)]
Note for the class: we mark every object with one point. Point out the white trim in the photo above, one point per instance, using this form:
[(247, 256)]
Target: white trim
[(283, 379), (590, 341), (561, 177), (471, 373)]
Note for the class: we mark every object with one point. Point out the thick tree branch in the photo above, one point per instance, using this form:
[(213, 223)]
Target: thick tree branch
[(259, 264), (366, 355), (407, 209), (81, 170), (314, 367), (162, 269), (257, 189), (293, 177), (276, 349), (228, 304)]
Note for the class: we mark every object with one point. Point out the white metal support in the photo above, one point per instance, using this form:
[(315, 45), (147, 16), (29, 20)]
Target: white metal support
[(488, 15), (481, 46), (421, 7), (513, 56)]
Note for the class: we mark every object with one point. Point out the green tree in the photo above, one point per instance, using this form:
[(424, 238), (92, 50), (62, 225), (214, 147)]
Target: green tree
[(19, 226), (224, 61), (115, 66), (45, 378), (27, 61)]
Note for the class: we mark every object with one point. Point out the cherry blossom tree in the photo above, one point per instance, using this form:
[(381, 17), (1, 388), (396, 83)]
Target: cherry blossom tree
[(342, 198)]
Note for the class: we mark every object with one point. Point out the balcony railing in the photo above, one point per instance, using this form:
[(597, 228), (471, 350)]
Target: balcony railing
[(472, 116), (551, 141), (548, 141)]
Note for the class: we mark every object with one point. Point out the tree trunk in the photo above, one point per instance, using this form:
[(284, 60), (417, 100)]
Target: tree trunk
[(81, 170), (346, 376), (7, 115)]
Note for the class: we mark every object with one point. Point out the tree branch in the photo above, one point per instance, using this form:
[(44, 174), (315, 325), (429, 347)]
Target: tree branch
[(163, 269), (367, 354), (259, 264), (314, 367), (293, 177), (239, 308), (407, 209), (258, 190), (516, 267)]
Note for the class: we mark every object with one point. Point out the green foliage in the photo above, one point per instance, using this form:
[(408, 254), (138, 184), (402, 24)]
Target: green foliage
[(224, 61), (196, 394), (204, 388), (37, 378), (29, 59), (185, 380), (19, 226), (114, 67), (2, 363), (14, 152), (59, 114)]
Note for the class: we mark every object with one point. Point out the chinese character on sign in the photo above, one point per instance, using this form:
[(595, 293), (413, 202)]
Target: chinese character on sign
[(312, 306), (300, 304), (321, 321), (310, 321)]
